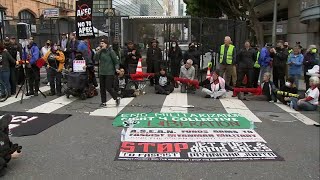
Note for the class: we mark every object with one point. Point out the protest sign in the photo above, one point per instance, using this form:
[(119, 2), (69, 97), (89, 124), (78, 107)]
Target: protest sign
[(84, 27), (78, 65)]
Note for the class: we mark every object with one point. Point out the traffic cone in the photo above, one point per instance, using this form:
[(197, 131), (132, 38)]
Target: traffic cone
[(208, 73), (139, 68)]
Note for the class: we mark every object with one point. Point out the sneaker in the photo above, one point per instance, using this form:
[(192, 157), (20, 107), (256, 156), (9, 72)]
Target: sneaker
[(103, 105), (118, 101)]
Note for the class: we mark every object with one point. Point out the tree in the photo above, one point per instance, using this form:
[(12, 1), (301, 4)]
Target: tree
[(234, 9)]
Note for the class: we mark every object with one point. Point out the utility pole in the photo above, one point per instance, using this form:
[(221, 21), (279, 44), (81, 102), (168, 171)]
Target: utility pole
[(274, 26), (109, 22)]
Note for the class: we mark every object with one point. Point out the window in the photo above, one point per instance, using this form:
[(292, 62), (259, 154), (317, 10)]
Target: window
[(27, 17)]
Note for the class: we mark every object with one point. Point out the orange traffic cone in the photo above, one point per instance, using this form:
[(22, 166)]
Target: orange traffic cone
[(139, 68), (208, 73)]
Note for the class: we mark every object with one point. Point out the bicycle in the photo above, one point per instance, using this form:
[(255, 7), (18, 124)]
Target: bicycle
[(4, 94)]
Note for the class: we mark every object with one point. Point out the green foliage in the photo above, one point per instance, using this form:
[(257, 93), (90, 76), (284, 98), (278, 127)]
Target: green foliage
[(203, 8)]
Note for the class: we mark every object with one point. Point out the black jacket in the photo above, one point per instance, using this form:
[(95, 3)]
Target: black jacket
[(169, 79), (175, 56), (246, 58), (71, 49), (280, 58), (292, 90), (128, 56), (116, 82), (193, 54), (6, 60), (154, 55)]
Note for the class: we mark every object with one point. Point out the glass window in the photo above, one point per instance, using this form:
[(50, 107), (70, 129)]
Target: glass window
[(27, 17)]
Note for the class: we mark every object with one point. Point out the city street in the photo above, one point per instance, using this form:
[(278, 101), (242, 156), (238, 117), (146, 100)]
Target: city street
[(84, 145)]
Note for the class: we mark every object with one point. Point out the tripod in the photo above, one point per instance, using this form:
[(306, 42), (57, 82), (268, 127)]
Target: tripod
[(24, 85)]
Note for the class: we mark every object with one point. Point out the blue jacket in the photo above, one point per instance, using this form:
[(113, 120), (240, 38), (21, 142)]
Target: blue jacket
[(264, 58), (296, 67), (34, 52)]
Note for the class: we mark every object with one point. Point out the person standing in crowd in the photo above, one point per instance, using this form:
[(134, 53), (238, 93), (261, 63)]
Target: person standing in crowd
[(72, 46), (280, 56), (256, 68), (120, 85), (227, 59), (311, 58), (6, 60), (265, 61), (132, 56), (55, 63), (63, 42), (187, 71), (154, 57), (215, 87), (288, 88), (44, 50), (163, 82), (295, 61), (175, 55), (116, 48), (245, 62), (194, 55), (33, 71), (15, 50), (109, 65), (311, 100)]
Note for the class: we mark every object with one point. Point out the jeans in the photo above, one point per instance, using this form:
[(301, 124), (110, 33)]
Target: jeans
[(296, 78), (106, 84), (54, 80), (34, 78), (303, 105), (5, 78)]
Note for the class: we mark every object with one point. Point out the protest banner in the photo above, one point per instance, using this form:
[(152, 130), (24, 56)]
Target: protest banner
[(78, 65), (196, 151), (182, 120), (84, 26), (191, 135)]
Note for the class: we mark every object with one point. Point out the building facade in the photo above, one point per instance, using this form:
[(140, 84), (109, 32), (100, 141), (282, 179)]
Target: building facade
[(298, 20)]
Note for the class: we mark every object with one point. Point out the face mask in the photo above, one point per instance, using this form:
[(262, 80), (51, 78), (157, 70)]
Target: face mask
[(288, 84)]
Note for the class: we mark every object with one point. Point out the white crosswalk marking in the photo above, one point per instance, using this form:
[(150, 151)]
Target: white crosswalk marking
[(297, 115), (112, 110), (12, 99), (176, 102), (53, 105), (237, 106)]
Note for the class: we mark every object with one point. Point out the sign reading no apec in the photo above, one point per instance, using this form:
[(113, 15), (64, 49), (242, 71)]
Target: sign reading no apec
[(84, 27)]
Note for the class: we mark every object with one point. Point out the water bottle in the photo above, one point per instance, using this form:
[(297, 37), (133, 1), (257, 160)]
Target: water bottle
[(123, 134)]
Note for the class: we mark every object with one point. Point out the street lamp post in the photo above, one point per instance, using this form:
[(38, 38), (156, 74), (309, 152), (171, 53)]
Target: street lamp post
[(2, 11), (274, 27)]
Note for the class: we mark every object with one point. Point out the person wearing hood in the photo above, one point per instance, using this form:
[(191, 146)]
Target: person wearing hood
[(108, 65), (6, 60), (311, 58), (215, 87), (33, 71), (287, 91), (55, 63), (163, 82), (280, 57)]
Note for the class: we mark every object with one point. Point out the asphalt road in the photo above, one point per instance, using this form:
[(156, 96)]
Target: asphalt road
[(84, 146)]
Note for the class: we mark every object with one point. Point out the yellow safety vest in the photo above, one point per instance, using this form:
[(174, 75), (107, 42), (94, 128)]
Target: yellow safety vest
[(229, 53), (256, 64)]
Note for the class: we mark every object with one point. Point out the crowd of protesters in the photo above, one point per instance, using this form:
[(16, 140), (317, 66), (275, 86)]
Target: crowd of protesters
[(243, 70)]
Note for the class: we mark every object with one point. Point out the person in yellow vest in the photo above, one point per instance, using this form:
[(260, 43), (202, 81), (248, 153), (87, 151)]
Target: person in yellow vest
[(227, 60), (256, 68)]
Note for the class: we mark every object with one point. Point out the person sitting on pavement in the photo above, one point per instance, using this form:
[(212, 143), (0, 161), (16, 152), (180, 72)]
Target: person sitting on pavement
[(163, 82), (311, 100), (187, 71), (120, 85), (268, 89), (215, 87), (55, 63), (287, 91)]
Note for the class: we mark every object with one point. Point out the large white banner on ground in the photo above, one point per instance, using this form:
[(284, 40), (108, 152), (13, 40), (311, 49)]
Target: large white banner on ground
[(190, 135)]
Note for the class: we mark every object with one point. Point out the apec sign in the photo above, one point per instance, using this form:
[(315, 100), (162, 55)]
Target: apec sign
[(84, 27)]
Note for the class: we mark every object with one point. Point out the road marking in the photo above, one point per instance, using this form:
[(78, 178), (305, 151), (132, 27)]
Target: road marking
[(176, 102), (237, 106), (112, 110), (297, 115), (53, 105), (13, 99)]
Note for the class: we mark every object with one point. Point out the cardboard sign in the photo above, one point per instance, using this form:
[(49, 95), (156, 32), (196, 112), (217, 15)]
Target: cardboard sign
[(182, 120), (196, 151), (78, 65), (84, 27), (191, 135)]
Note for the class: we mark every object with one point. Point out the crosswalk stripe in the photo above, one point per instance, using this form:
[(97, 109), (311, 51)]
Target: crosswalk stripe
[(112, 110), (237, 106), (53, 105), (175, 102), (13, 99), (297, 115)]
